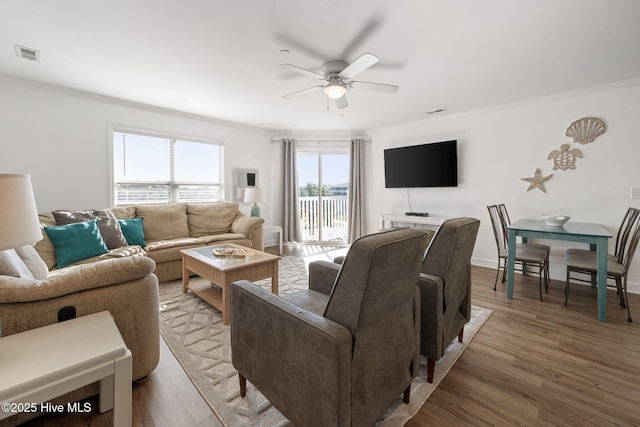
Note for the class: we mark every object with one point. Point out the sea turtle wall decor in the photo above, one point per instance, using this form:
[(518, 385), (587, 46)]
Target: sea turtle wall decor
[(565, 157), (586, 129)]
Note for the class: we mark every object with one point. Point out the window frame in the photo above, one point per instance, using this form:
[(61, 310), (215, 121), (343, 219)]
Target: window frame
[(173, 184)]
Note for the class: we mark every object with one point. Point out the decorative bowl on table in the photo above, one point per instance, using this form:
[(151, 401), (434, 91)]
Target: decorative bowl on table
[(230, 252), (555, 220)]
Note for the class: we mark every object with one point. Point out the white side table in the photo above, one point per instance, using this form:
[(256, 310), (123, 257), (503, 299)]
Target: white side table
[(268, 229), (41, 364)]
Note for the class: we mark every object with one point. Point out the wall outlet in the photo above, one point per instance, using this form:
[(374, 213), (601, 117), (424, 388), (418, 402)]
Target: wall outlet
[(635, 193)]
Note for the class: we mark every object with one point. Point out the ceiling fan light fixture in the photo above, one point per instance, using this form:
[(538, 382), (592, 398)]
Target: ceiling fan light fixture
[(335, 90)]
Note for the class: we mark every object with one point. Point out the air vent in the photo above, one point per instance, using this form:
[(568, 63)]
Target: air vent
[(27, 53)]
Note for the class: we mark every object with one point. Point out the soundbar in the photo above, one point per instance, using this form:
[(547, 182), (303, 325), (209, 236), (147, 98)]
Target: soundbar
[(417, 213)]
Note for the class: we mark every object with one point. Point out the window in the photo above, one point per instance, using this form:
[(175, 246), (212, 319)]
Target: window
[(157, 169), (323, 179)]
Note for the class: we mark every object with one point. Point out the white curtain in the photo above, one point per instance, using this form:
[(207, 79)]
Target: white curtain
[(356, 190), (291, 208)]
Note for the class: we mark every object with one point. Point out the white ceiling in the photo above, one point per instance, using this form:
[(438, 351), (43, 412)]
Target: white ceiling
[(220, 58)]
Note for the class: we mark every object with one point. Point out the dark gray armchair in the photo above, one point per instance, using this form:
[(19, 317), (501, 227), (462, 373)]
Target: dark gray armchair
[(445, 288), (342, 352)]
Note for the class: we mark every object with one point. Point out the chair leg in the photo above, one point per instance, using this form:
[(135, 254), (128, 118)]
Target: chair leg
[(461, 334), (431, 367), (540, 274), (546, 275), (243, 385), (497, 273), (566, 288), (407, 394), (620, 293), (626, 299), (504, 272)]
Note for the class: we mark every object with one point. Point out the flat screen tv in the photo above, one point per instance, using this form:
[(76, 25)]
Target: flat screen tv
[(426, 165)]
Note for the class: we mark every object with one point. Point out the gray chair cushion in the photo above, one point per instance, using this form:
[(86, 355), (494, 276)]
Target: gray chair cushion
[(589, 262)]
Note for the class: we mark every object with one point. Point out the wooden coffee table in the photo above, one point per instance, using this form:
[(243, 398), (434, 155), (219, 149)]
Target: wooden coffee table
[(223, 271)]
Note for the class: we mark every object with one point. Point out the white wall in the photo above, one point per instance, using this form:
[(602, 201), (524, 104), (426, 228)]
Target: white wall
[(61, 138), (497, 147)]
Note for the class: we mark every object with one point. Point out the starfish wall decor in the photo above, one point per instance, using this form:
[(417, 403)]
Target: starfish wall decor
[(537, 181)]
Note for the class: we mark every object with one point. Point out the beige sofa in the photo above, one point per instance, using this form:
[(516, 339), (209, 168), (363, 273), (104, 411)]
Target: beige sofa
[(31, 297), (34, 292), (169, 228)]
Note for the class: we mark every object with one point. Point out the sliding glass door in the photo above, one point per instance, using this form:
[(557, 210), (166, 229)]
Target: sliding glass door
[(323, 179)]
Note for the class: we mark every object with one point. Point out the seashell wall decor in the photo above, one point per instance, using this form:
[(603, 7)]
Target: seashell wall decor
[(586, 129), (564, 158)]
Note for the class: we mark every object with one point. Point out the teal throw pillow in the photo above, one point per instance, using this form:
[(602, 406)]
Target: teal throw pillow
[(133, 231), (77, 241)]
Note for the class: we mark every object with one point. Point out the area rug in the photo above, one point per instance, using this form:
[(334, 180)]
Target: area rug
[(197, 337)]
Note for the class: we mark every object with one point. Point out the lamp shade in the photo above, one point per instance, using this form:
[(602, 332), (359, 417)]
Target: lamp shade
[(335, 90), (254, 195), (19, 225)]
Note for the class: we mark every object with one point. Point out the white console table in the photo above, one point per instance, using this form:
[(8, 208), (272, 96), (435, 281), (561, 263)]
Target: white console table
[(40, 364), (388, 220)]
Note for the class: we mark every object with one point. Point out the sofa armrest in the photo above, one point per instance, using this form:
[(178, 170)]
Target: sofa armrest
[(246, 225), (431, 302), (275, 345), (322, 276), (74, 279), (251, 227)]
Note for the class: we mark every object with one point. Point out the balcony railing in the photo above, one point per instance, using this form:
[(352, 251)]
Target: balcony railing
[(328, 222)]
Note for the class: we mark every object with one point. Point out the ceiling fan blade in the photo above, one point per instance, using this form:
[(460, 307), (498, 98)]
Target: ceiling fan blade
[(365, 33), (359, 65), (378, 87), (302, 71), (342, 102), (303, 91)]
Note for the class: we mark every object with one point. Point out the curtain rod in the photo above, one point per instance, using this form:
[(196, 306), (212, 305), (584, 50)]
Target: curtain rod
[(318, 140)]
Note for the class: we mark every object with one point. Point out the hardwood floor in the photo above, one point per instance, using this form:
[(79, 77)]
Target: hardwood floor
[(532, 363), (541, 363)]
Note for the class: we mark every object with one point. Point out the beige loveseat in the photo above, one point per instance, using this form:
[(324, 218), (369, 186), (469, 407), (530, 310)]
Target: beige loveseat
[(169, 228)]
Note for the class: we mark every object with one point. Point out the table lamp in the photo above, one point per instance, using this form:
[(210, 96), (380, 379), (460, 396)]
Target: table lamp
[(254, 195), (19, 225)]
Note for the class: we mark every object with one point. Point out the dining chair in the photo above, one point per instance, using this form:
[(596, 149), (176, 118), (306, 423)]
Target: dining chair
[(585, 261), (526, 253), (507, 222)]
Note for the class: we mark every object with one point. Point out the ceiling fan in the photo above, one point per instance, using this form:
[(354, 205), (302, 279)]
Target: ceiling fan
[(338, 76)]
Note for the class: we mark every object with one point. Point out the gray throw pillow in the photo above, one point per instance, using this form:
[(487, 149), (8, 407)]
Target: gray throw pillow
[(107, 224)]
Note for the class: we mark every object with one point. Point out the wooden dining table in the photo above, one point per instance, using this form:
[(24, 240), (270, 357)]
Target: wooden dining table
[(596, 235)]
